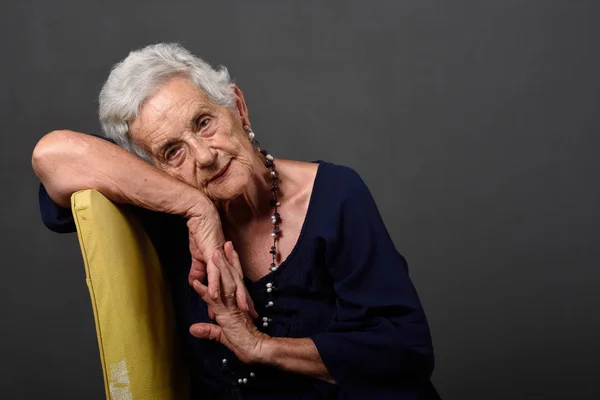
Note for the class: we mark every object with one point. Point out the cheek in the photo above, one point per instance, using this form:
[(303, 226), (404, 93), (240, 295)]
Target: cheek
[(239, 178), (185, 173), (245, 152), (233, 186)]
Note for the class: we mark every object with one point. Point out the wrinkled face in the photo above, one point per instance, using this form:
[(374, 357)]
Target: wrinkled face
[(196, 141)]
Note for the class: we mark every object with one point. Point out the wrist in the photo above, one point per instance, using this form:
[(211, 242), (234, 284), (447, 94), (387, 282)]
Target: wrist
[(204, 224), (265, 350), (194, 204)]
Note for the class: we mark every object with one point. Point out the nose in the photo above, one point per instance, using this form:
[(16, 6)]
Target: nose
[(204, 154)]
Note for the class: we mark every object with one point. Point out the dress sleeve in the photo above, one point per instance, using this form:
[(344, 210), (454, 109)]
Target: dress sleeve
[(56, 218), (378, 345)]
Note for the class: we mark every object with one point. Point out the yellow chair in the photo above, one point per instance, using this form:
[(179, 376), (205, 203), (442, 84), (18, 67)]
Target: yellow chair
[(131, 301)]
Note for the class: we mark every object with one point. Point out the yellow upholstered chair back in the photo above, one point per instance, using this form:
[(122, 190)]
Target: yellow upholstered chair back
[(131, 302)]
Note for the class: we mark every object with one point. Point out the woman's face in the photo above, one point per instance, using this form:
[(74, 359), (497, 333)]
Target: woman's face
[(196, 141)]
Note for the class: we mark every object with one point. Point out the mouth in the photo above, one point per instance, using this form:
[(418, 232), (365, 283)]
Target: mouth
[(221, 173)]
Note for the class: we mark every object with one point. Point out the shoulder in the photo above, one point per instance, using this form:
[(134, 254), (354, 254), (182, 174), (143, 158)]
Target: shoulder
[(322, 174), (341, 194), (341, 182), (345, 174)]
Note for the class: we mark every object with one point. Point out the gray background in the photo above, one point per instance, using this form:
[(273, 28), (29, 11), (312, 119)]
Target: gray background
[(474, 123)]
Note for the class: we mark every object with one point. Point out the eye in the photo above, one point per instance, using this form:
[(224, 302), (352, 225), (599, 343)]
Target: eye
[(203, 122), (172, 153)]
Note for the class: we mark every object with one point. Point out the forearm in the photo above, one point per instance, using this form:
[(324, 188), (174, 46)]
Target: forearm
[(294, 355), (66, 162)]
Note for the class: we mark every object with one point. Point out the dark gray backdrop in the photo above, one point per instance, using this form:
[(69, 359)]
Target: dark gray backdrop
[(474, 123)]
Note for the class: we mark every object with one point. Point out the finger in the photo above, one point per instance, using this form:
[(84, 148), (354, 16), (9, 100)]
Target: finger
[(197, 271), (194, 249), (198, 267), (228, 284), (204, 330), (242, 297), (214, 278), (202, 290), (233, 258), (251, 308)]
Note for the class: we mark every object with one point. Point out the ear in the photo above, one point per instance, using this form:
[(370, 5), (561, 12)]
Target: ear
[(240, 103)]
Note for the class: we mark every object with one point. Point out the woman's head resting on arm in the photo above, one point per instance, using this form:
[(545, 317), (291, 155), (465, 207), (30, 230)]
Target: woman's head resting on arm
[(174, 110)]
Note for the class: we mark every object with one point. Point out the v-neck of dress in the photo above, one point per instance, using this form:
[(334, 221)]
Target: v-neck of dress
[(305, 224)]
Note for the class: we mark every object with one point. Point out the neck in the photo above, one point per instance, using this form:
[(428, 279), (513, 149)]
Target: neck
[(254, 203)]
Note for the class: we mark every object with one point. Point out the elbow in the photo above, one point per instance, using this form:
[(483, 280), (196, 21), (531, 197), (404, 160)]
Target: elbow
[(51, 154), (424, 362), (419, 360), (49, 150), (416, 365), (420, 354)]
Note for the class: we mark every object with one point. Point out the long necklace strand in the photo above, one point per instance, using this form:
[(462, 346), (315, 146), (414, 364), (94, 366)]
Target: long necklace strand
[(275, 220)]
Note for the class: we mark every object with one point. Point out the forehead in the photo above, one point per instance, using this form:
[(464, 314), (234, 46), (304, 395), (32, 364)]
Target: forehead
[(168, 110)]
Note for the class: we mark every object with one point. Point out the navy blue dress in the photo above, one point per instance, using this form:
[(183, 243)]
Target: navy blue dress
[(344, 286)]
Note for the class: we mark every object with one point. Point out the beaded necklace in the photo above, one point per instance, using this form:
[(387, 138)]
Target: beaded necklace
[(275, 220)]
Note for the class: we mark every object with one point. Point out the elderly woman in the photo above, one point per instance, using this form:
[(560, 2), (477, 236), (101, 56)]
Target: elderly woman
[(295, 289)]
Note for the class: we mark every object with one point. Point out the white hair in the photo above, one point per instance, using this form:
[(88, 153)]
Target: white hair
[(136, 77)]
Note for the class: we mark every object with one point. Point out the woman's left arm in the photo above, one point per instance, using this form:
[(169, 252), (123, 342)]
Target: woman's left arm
[(294, 355), (379, 343), (379, 340), (237, 331)]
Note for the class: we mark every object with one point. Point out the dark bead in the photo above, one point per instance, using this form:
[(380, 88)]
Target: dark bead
[(274, 202), (273, 265), (275, 188), (277, 216), (264, 152), (276, 229), (273, 252), (268, 163)]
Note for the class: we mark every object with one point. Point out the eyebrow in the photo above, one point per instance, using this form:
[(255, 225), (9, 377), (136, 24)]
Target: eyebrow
[(201, 110)]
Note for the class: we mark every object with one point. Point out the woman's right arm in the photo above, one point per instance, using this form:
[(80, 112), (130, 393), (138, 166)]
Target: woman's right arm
[(67, 161)]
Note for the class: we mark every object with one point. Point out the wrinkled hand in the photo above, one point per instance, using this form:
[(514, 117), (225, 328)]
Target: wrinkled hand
[(235, 328), (206, 238)]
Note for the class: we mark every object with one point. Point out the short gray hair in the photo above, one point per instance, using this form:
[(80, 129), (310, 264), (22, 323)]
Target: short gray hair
[(136, 77)]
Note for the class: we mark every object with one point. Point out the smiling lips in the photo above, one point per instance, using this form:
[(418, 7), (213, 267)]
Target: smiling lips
[(221, 172)]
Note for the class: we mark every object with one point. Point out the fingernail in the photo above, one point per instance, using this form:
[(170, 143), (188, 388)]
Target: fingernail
[(196, 283), (216, 295)]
